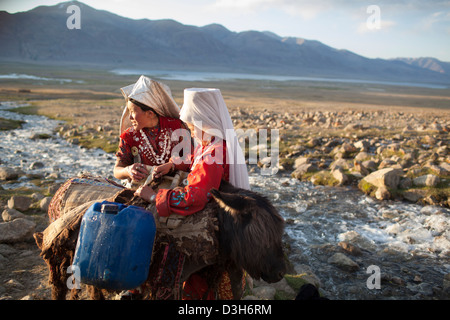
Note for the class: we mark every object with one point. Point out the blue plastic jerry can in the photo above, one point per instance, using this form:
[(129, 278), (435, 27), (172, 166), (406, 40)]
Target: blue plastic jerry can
[(115, 245)]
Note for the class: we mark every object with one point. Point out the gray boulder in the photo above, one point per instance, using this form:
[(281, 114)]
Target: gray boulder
[(302, 169), (11, 214), (343, 262), (8, 173), (428, 180), (20, 203), (17, 230), (387, 178)]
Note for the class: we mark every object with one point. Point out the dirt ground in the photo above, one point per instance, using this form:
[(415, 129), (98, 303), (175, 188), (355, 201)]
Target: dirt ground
[(23, 273)]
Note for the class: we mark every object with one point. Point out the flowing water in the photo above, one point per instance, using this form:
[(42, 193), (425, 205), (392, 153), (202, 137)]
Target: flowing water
[(409, 243)]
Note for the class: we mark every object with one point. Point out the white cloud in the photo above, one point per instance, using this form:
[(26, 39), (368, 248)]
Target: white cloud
[(435, 18)]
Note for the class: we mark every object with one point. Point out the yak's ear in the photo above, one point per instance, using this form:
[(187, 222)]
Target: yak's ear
[(233, 203)]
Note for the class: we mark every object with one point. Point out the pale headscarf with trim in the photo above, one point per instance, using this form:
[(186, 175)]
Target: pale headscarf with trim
[(206, 110), (153, 94)]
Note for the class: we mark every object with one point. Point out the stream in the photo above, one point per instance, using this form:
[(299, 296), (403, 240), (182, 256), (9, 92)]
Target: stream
[(409, 244)]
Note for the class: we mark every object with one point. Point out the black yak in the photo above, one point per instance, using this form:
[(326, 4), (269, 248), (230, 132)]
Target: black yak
[(250, 231)]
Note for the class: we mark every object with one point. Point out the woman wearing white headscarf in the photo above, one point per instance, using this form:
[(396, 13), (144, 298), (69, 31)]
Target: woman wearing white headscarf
[(148, 121), (217, 156)]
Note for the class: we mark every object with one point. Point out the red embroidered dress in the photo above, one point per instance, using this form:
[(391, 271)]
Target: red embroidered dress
[(208, 168), (153, 145)]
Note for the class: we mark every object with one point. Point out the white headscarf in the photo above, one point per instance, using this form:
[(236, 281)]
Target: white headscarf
[(153, 94), (206, 109)]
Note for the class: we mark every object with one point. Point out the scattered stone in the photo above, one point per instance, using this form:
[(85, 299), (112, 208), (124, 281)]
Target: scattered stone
[(44, 203), (17, 230), (382, 193), (355, 238), (343, 262), (405, 183), (388, 178), (313, 142), (36, 165), (413, 195), (307, 275), (350, 248), (445, 166), (346, 149), (358, 167), (398, 281), (20, 203), (353, 127), (264, 292), (340, 163), (362, 145), (37, 196), (362, 156), (340, 176), (10, 214), (40, 136), (428, 180), (302, 169), (14, 284), (8, 173), (394, 229), (53, 188), (301, 161)]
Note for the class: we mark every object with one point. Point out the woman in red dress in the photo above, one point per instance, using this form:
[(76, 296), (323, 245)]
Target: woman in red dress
[(149, 129), (217, 156)]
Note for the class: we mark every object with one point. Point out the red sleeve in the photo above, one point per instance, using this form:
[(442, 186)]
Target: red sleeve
[(195, 195), (124, 150)]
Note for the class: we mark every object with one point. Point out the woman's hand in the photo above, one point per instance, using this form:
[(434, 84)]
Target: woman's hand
[(137, 171), (146, 193), (162, 170)]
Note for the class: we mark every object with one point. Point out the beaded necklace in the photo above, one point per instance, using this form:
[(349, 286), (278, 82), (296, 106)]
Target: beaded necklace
[(165, 146)]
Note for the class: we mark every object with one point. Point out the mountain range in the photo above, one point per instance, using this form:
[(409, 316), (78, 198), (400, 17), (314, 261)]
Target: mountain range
[(106, 39)]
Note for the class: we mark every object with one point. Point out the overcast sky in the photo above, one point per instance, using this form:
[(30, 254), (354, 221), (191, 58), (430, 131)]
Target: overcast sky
[(408, 28)]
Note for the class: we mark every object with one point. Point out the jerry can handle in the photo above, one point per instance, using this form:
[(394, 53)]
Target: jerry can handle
[(110, 208)]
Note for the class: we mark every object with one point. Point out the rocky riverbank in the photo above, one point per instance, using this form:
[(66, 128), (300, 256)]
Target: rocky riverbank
[(388, 155)]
